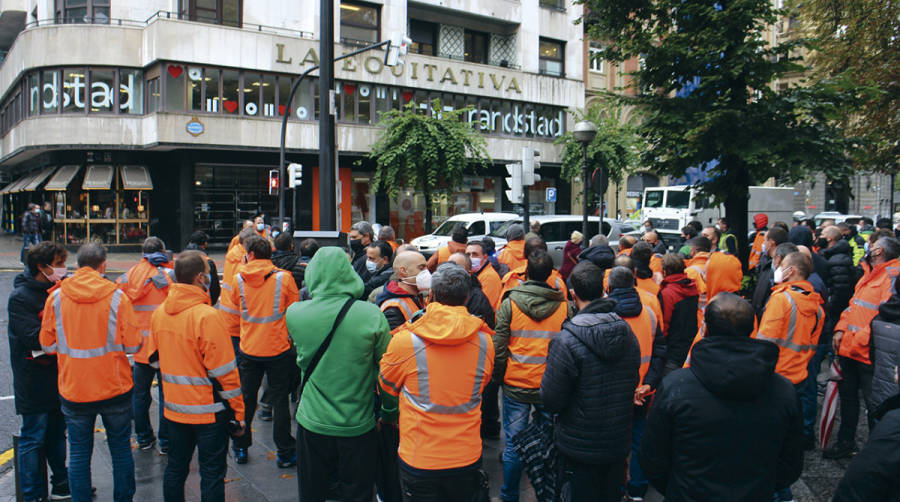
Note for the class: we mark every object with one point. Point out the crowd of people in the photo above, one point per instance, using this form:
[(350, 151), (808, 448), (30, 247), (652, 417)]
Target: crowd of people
[(617, 370)]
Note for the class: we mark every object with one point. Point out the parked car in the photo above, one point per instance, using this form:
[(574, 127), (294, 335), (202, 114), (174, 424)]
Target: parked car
[(556, 230), (850, 219), (477, 225)]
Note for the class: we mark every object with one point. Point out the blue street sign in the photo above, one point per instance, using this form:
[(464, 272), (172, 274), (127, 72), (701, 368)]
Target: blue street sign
[(551, 195)]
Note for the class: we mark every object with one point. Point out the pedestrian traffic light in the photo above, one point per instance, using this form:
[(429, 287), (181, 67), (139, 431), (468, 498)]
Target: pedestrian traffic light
[(514, 194), (530, 166), (273, 182), (295, 175), (396, 49)]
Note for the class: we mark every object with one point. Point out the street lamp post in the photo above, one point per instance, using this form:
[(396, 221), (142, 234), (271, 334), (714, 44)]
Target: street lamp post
[(585, 132)]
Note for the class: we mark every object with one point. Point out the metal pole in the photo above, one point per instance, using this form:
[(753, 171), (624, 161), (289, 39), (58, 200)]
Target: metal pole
[(526, 220), (284, 121), (327, 182), (584, 196)]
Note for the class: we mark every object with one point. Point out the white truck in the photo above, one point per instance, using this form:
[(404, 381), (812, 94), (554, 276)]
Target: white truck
[(672, 207)]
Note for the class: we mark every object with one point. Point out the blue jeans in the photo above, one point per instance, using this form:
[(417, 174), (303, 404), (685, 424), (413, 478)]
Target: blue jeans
[(211, 441), (117, 421), (637, 483), (41, 433), (29, 240), (515, 419), (143, 381), (807, 393)]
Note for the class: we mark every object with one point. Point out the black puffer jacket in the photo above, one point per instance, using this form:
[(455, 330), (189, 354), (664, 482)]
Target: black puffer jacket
[(602, 256), (764, 282), (375, 280), (592, 371), (478, 304), (291, 262), (841, 278), (34, 379), (872, 475), (727, 428)]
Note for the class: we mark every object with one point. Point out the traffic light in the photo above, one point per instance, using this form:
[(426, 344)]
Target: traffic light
[(514, 194), (530, 166), (295, 175), (273, 181), (396, 49)]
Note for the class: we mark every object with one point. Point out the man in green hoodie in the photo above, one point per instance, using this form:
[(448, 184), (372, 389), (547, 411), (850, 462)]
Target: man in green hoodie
[(337, 408), (528, 317)]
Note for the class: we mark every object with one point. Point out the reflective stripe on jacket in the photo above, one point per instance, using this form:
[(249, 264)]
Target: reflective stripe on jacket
[(229, 312), (871, 291), (406, 305), (515, 278), (529, 341), (793, 320), (263, 292), (147, 287), (644, 326), (90, 325)]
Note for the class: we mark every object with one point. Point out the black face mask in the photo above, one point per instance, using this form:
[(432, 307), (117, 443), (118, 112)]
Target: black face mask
[(822, 243), (356, 245)]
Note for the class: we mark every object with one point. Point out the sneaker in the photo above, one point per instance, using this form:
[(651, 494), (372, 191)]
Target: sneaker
[(240, 455), (841, 449), (285, 462), (146, 445), (633, 498), (61, 492), (265, 414), (163, 448)]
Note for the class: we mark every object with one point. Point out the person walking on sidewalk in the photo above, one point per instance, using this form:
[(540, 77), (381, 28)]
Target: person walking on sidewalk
[(147, 285), (198, 242), (31, 229), (90, 324), (336, 416), (441, 364), (189, 340), (263, 293), (43, 432), (527, 320)]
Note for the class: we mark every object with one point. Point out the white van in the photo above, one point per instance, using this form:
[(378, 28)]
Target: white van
[(477, 225)]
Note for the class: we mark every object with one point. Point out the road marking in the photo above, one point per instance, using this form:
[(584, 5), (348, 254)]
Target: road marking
[(6, 456), (6, 398)]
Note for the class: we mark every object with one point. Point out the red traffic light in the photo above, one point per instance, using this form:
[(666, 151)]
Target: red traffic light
[(273, 182)]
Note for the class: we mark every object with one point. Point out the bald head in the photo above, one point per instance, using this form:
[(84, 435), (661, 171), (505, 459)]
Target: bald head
[(247, 224), (462, 260), (627, 241), (651, 237), (805, 251), (405, 247), (729, 315), (801, 263)]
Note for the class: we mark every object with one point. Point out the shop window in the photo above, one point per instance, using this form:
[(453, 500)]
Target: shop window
[(365, 103), (252, 93), (360, 23), (347, 92), (174, 79), (49, 91), (102, 95), (551, 53), (131, 92), (226, 12), (195, 89), (268, 90), (82, 11), (476, 47), (74, 87), (231, 92), (424, 37), (34, 94), (154, 95), (212, 97)]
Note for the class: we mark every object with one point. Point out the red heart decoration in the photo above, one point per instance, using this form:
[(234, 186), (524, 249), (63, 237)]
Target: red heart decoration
[(349, 88), (175, 71), (230, 106), (407, 95), (281, 109)]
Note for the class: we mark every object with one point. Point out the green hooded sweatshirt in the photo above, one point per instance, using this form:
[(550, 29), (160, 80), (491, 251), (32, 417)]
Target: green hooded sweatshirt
[(538, 301), (338, 399)]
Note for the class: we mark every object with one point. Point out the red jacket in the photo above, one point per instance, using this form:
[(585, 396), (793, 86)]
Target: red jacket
[(678, 297)]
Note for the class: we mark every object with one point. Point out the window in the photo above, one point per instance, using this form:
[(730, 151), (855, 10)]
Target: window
[(82, 11), (226, 12), (424, 37), (553, 4), (595, 63), (476, 47), (551, 55), (360, 23), (476, 228)]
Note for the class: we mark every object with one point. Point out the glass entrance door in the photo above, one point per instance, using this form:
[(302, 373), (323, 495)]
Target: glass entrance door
[(226, 195)]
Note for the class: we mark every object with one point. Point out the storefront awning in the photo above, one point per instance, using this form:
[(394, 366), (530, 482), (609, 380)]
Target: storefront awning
[(62, 178), (38, 179), (9, 188), (19, 183), (136, 178), (98, 178)]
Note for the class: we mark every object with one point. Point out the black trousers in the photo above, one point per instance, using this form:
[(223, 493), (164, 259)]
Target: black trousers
[(490, 408), (280, 371), (580, 482), (348, 460), (442, 486), (211, 441), (387, 475), (857, 377)]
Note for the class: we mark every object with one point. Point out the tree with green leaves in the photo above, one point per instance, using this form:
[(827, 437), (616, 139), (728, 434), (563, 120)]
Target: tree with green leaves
[(427, 150), (703, 89), (615, 148)]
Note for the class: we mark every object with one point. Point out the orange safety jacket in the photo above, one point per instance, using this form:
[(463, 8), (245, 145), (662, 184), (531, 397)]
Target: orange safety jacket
[(515, 278), (233, 261), (656, 263), (147, 287), (442, 255), (723, 274), (263, 293), (234, 242), (644, 326), (405, 304), (194, 351), (229, 312), (648, 285), (491, 283), (626, 252), (529, 342), (440, 364), (756, 249), (513, 255), (793, 320), (871, 291), (89, 324), (651, 301)]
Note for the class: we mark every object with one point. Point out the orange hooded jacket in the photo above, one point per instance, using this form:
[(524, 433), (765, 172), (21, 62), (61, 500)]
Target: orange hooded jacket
[(147, 287), (513, 255), (262, 293), (793, 320), (856, 321)]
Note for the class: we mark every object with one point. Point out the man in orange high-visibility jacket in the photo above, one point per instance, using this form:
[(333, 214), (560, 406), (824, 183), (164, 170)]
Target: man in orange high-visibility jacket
[(851, 340), (517, 276), (760, 221), (793, 320), (457, 244), (440, 365), (234, 259), (647, 328), (235, 256), (401, 298), (89, 324), (645, 277), (237, 238), (513, 255), (723, 269), (189, 341), (484, 270), (147, 285), (626, 243), (263, 292), (528, 317)]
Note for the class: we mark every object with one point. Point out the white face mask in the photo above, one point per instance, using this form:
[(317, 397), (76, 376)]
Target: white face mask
[(260, 226), (57, 275), (779, 275), (476, 263), (371, 266), (423, 281)]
